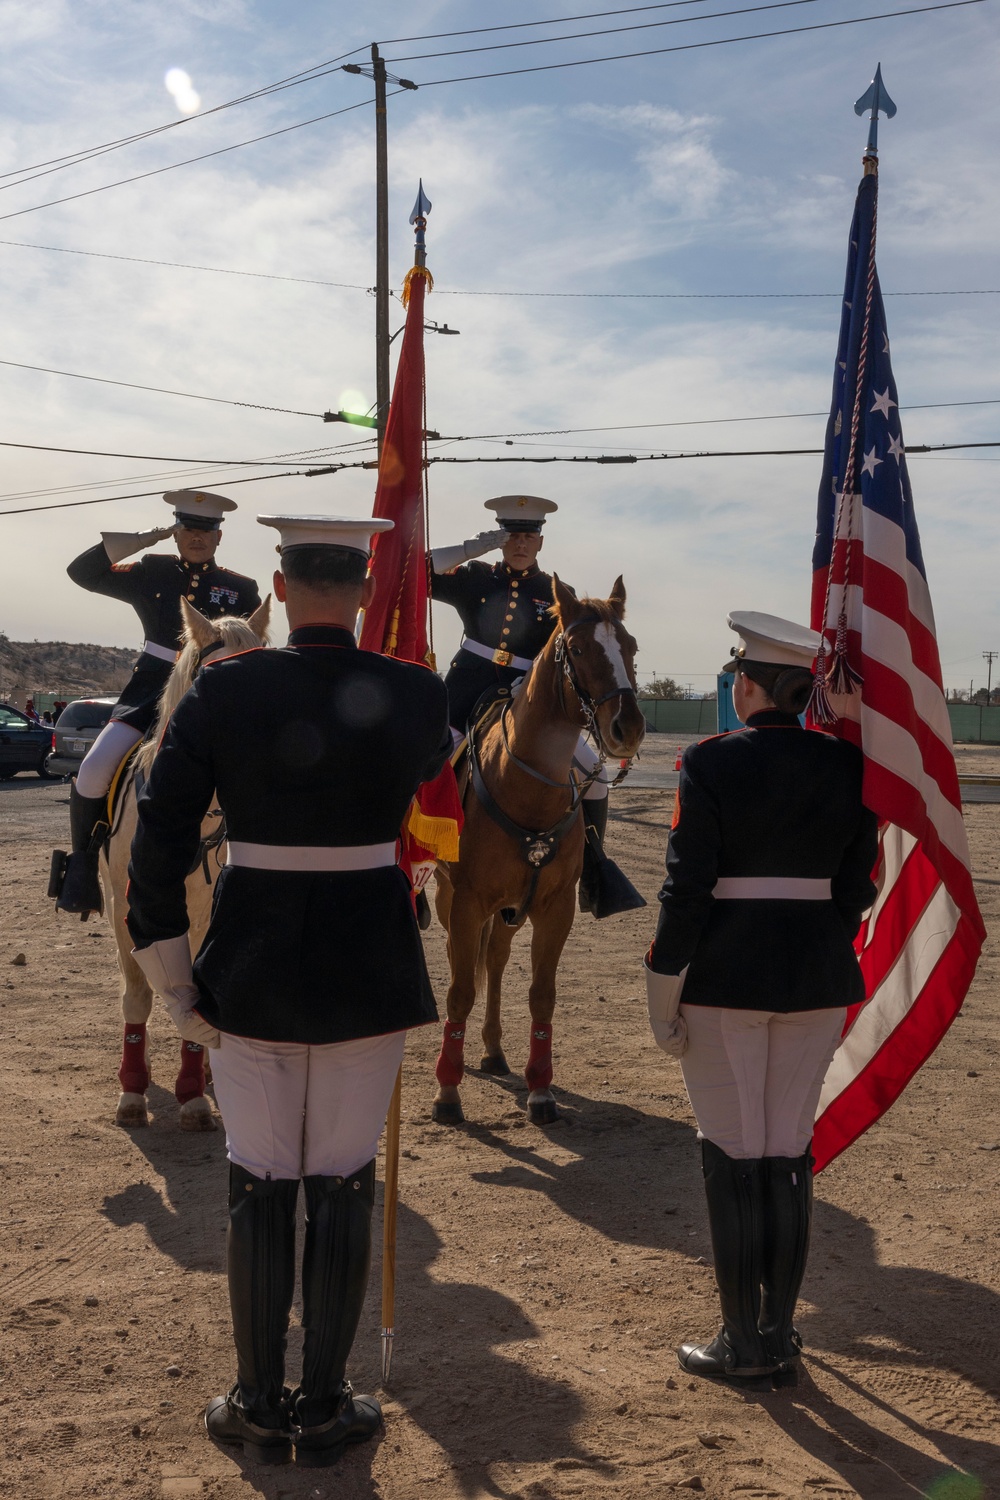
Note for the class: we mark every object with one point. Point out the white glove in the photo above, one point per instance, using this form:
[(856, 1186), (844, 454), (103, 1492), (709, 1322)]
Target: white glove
[(663, 998), (444, 559), (121, 544), (167, 967)]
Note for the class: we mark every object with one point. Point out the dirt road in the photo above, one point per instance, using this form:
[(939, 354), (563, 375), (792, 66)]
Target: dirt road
[(544, 1276)]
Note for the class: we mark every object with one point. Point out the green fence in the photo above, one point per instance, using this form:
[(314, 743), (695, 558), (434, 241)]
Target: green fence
[(680, 715), (972, 725)]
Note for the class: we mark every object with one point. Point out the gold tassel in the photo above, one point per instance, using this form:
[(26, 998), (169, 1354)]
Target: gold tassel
[(393, 641), (408, 282)]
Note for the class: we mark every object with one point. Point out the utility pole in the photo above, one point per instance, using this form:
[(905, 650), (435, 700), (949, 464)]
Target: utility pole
[(988, 657), (381, 248)]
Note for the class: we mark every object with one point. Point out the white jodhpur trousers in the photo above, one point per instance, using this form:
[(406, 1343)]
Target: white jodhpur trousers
[(294, 1110), (104, 757), (754, 1076)]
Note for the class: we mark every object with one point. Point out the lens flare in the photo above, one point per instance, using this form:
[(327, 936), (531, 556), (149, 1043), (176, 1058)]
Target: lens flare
[(353, 401), (179, 86)]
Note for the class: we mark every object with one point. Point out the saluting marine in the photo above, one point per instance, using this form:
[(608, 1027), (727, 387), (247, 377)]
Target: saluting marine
[(312, 967), (505, 612), (769, 868), (154, 586)]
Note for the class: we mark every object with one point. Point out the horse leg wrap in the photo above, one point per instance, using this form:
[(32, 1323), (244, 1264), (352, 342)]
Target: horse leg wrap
[(538, 1073), (133, 1074), (451, 1063), (191, 1078)]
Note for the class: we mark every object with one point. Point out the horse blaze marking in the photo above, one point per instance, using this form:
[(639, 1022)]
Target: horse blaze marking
[(605, 636)]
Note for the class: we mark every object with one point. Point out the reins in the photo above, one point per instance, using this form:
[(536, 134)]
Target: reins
[(539, 847)]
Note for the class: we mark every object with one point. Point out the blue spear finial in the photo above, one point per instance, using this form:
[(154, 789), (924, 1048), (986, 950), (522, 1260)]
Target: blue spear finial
[(418, 219), (875, 97)]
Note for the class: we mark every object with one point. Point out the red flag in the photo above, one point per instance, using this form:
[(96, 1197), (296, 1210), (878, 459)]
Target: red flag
[(396, 623), (919, 947)]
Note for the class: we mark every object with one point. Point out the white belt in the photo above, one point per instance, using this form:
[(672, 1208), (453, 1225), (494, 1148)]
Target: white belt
[(150, 648), (306, 857), (501, 657), (770, 888)]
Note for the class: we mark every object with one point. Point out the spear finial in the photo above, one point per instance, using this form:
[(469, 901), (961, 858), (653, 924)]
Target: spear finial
[(875, 97), (418, 219)]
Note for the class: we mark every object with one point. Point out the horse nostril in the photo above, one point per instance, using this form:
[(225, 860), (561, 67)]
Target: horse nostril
[(617, 729)]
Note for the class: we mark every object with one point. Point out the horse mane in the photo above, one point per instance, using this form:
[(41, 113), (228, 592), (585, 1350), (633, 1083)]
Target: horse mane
[(236, 635)]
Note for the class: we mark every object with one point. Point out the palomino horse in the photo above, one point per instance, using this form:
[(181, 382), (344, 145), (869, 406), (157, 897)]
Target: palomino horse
[(522, 842), (204, 641)]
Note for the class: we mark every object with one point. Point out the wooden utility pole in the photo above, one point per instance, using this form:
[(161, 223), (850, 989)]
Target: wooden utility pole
[(381, 248)]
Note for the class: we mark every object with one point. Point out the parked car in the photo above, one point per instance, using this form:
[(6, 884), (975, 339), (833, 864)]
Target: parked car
[(24, 745), (77, 727)]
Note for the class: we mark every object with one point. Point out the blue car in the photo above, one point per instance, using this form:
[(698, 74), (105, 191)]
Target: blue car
[(24, 745)]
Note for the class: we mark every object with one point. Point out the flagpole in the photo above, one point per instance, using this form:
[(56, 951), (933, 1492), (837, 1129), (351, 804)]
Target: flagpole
[(390, 1202)]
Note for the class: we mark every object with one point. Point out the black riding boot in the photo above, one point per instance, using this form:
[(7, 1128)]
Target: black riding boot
[(335, 1266), (788, 1199), (88, 822), (604, 889), (735, 1201), (260, 1260)]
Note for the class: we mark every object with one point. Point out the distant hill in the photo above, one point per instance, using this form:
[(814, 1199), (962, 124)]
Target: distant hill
[(63, 668)]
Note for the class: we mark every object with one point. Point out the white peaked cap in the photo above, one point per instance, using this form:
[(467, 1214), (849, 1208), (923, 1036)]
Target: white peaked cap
[(772, 641), (526, 512), (201, 503), (349, 533)]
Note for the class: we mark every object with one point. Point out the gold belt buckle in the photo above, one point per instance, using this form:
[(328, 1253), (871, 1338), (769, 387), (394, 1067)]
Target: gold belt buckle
[(502, 657)]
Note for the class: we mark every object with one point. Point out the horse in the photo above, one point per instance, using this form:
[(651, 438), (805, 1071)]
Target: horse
[(204, 641), (521, 847)]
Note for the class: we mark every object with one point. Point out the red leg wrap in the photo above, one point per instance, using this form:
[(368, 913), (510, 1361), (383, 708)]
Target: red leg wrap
[(451, 1063), (133, 1074), (191, 1078), (538, 1073)]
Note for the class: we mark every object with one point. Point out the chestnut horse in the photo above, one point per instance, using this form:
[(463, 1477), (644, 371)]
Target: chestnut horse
[(521, 849), (204, 640)]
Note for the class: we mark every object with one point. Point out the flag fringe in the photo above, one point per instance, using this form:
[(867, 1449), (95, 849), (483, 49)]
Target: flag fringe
[(439, 835), (408, 282)]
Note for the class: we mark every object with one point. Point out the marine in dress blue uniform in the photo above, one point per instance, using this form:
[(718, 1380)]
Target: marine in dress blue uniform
[(154, 585), (505, 609), (312, 967), (769, 867)]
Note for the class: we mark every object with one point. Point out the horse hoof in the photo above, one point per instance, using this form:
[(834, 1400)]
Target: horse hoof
[(495, 1064), (545, 1112), (131, 1111), (196, 1114), (447, 1112)]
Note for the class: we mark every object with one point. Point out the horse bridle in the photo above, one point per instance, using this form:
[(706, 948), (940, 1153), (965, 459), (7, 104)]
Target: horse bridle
[(588, 703)]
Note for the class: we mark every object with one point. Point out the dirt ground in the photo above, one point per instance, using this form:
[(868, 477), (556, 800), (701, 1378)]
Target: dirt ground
[(544, 1276)]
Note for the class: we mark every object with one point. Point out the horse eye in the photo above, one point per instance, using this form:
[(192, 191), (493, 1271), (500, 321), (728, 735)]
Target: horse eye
[(576, 650)]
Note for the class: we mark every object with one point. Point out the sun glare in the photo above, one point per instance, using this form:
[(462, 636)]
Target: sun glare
[(180, 87)]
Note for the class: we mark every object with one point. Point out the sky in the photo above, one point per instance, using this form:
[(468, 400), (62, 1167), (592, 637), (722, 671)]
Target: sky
[(661, 209)]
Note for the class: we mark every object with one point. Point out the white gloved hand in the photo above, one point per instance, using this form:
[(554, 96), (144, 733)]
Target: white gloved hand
[(121, 544), (444, 559), (663, 998), (167, 967)]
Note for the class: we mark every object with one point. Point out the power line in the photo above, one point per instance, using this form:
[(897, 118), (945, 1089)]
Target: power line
[(512, 459), (76, 158), (357, 286), (434, 36), (574, 36), (221, 151), (161, 390), (756, 36)]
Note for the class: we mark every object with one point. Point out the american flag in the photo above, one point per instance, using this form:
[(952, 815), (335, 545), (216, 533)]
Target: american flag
[(919, 946)]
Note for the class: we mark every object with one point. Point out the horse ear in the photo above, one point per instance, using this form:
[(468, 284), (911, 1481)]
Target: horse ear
[(196, 627), (617, 597), (260, 620), (565, 601)]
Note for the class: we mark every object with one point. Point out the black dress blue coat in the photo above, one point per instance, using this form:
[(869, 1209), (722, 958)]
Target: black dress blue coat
[(500, 607), (154, 586), (317, 744), (772, 799)]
